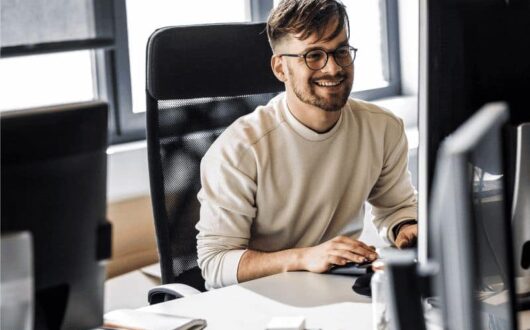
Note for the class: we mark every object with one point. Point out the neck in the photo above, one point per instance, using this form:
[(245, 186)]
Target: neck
[(314, 118)]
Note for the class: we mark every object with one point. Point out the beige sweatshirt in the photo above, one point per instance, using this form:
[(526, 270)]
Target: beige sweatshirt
[(269, 183)]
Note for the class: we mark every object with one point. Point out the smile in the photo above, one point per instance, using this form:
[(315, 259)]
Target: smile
[(329, 83)]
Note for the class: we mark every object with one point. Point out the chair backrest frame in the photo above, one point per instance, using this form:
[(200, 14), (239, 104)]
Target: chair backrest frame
[(216, 61)]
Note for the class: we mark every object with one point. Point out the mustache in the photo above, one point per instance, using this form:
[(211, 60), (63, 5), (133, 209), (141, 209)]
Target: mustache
[(335, 77)]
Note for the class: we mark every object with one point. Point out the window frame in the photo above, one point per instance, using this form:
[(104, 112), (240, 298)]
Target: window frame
[(102, 46), (112, 68), (131, 126), (391, 55)]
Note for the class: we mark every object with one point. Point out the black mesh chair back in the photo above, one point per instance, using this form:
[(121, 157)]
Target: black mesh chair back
[(199, 80)]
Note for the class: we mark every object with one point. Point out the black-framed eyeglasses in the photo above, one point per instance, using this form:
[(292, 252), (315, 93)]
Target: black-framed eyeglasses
[(316, 59)]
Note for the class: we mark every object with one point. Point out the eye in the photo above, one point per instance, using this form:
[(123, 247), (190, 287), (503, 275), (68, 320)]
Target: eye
[(315, 55), (343, 52)]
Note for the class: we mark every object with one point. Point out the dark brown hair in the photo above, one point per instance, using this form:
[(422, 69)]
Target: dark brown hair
[(305, 17)]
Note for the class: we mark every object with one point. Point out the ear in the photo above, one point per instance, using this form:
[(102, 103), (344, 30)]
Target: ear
[(277, 68)]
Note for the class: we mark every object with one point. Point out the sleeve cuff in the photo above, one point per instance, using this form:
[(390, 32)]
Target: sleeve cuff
[(230, 265), (393, 231)]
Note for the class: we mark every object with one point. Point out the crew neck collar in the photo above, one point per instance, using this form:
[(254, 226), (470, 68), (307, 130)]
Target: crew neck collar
[(305, 131)]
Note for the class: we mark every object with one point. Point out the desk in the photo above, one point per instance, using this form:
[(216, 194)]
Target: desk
[(326, 301)]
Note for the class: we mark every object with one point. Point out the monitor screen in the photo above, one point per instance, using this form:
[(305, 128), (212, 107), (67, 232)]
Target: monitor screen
[(471, 228), (471, 52), (53, 169)]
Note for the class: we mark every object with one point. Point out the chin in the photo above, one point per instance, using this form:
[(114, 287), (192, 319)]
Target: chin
[(335, 104)]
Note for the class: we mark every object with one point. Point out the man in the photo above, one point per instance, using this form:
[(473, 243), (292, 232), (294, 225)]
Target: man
[(283, 188)]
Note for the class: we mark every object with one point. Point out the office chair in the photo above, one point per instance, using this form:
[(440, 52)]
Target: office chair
[(199, 80)]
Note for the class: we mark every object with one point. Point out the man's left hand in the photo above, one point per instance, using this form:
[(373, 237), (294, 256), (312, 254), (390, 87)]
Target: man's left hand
[(407, 236)]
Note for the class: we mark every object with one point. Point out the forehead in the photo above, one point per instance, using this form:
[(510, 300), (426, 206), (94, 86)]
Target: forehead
[(293, 43)]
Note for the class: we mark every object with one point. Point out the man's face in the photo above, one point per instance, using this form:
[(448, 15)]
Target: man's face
[(327, 88)]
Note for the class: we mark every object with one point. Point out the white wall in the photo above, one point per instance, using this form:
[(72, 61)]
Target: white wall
[(409, 39), (127, 171)]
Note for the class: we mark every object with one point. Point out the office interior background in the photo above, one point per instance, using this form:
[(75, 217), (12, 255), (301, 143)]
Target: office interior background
[(59, 52), (110, 66)]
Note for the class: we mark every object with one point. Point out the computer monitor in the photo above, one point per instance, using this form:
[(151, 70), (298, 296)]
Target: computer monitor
[(53, 171), (471, 52), (470, 226)]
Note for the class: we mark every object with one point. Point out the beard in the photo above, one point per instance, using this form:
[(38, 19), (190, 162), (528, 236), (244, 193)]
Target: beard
[(332, 102)]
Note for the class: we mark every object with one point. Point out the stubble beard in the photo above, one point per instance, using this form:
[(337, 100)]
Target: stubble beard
[(310, 97)]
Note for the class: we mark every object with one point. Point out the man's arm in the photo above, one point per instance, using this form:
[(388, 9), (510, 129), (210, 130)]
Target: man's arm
[(337, 251), (393, 197)]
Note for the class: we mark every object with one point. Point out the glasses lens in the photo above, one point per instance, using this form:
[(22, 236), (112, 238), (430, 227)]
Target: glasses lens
[(344, 55), (316, 59)]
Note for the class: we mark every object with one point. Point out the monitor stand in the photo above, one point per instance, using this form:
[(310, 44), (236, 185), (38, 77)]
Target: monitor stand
[(521, 216)]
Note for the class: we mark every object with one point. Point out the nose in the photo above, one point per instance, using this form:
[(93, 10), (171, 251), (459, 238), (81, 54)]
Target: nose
[(331, 67)]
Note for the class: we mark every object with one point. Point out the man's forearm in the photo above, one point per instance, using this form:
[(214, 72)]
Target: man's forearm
[(255, 264)]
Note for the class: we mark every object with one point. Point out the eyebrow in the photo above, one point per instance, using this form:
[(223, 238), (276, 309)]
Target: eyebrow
[(343, 43)]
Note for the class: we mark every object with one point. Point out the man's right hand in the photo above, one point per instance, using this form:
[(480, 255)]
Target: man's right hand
[(337, 251)]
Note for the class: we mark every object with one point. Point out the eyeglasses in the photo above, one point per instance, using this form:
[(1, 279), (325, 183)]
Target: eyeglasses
[(317, 59)]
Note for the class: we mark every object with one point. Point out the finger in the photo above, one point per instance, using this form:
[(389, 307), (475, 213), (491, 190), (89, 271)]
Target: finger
[(404, 241), (354, 242), (348, 256), (411, 241), (356, 249), (337, 260), (400, 242)]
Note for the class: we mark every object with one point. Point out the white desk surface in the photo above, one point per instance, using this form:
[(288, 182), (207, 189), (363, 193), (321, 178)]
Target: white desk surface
[(326, 302)]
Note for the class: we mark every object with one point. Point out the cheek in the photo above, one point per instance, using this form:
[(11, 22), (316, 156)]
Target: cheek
[(297, 75)]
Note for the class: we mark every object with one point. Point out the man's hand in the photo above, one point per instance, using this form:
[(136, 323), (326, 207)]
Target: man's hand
[(407, 236), (337, 251)]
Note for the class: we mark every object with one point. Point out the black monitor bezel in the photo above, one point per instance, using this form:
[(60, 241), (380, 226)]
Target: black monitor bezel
[(451, 230)]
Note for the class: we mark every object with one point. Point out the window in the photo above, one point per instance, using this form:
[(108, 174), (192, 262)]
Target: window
[(374, 30), (50, 51), (63, 51), (135, 22), (366, 34), (144, 17), (40, 80)]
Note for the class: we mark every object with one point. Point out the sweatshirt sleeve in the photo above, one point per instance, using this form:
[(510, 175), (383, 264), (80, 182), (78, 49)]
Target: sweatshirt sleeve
[(393, 197), (227, 210)]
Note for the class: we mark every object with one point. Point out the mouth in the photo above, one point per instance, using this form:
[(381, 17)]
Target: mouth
[(329, 82)]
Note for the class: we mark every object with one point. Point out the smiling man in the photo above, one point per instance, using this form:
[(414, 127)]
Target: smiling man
[(283, 188)]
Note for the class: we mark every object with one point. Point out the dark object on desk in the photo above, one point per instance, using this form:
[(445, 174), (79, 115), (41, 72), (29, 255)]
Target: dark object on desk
[(198, 83), (54, 171), (523, 302), (362, 285), (352, 269), (405, 292)]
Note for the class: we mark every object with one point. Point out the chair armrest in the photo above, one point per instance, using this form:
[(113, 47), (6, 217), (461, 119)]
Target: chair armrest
[(168, 292)]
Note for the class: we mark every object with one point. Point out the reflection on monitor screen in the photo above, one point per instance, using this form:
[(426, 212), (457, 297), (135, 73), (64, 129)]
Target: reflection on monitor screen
[(470, 226)]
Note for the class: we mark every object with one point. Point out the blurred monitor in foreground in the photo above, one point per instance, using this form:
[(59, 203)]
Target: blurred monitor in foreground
[(470, 226), (54, 186)]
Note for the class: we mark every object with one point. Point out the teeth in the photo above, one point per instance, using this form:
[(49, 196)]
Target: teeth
[(328, 83)]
